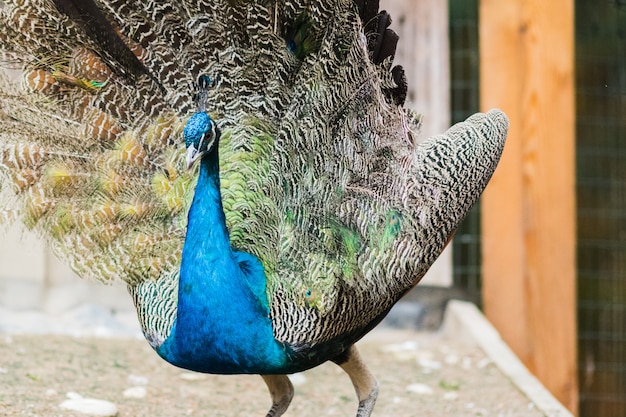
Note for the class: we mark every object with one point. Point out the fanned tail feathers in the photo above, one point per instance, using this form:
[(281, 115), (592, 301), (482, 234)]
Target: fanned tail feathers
[(322, 178)]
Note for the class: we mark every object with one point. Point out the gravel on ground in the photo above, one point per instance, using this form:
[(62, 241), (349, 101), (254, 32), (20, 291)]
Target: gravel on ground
[(420, 374)]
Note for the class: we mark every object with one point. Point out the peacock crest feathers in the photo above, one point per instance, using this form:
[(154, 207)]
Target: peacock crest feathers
[(321, 176)]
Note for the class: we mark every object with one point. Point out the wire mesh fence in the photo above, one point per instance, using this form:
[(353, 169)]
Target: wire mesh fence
[(465, 97), (601, 205), (601, 190)]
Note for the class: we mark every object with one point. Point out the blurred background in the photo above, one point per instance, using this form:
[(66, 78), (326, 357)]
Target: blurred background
[(544, 252)]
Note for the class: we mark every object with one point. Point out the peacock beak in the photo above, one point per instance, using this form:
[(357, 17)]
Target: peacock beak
[(192, 156)]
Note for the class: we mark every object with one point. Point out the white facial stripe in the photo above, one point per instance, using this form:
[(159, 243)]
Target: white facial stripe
[(212, 129), (201, 141), (211, 134)]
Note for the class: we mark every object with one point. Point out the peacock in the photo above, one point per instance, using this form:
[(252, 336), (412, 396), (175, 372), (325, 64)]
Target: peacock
[(246, 167)]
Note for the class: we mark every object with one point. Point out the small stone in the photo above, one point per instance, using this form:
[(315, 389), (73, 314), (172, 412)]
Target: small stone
[(4, 371), (135, 392), (451, 359), (73, 395), (429, 364), (51, 392), (451, 395), (90, 406), (298, 379), (421, 389), (192, 376), (137, 380), (400, 347), (402, 351), (426, 359), (483, 362)]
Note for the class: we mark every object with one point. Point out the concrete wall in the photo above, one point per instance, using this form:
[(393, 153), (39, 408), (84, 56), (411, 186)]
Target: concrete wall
[(32, 278)]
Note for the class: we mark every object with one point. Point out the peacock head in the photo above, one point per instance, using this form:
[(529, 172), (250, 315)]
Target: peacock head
[(201, 135)]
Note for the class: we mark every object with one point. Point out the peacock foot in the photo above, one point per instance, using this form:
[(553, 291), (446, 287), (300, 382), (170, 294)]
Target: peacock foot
[(364, 382), (281, 390)]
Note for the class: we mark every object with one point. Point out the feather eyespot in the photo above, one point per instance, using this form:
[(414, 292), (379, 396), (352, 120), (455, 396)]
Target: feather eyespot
[(312, 297)]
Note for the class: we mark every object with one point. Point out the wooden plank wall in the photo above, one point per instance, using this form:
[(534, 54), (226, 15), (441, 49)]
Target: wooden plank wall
[(528, 210)]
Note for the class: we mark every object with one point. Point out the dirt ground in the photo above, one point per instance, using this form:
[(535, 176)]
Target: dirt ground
[(420, 374)]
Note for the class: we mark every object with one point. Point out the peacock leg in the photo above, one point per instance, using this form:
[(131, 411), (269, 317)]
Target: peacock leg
[(364, 382), (281, 391)]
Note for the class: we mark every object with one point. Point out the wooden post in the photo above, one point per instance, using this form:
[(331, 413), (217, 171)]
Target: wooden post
[(528, 210)]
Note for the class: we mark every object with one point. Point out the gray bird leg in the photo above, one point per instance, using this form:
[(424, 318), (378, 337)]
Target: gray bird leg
[(281, 391), (364, 382)]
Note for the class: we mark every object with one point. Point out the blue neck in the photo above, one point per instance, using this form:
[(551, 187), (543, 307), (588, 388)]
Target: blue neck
[(222, 323), (206, 228)]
